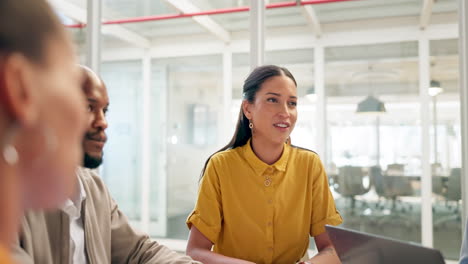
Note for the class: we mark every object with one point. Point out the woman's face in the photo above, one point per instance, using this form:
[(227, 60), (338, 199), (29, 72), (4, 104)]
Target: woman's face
[(273, 113), (50, 147)]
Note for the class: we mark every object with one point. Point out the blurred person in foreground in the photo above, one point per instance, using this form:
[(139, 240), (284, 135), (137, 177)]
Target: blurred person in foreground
[(89, 228), (42, 119)]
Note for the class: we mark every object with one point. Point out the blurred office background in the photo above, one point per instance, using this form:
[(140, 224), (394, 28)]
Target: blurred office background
[(378, 83)]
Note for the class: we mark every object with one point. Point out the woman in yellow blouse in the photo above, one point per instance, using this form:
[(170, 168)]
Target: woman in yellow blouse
[(261, 198), (42, 113)]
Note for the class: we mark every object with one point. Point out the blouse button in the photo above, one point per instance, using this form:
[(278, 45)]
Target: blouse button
[(270, 223)]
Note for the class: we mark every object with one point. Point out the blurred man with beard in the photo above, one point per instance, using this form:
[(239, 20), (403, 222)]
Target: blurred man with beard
[(89, 228), (98, 105)]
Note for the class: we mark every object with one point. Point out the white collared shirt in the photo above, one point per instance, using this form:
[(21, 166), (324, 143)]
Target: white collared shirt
[(77, 235)]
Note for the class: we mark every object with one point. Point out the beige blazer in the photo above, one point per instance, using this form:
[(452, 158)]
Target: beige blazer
[(109, 238)]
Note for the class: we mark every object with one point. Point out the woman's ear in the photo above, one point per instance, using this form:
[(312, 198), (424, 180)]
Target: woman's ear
[(17, 89), (246, 108)]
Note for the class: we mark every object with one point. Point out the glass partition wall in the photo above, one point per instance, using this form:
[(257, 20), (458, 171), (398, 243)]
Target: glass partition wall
[(374, 137), (374, 127), (446, 146)]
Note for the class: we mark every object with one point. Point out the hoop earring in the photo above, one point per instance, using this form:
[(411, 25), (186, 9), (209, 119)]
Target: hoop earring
[(9, 152), (250, 125)]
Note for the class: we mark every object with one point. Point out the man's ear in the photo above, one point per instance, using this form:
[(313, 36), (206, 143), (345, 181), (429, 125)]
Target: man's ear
[(247, 109), (17, 89)]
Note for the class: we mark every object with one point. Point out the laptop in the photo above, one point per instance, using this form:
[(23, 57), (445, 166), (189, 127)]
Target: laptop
[(355, 247)]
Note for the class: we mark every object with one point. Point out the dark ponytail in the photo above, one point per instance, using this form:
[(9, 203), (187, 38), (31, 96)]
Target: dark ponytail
[(252, 85)]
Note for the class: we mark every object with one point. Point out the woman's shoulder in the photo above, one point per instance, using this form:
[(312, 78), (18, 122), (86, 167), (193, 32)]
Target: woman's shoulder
[(301, 152), (228, 155), (222, 162), (307, 159)]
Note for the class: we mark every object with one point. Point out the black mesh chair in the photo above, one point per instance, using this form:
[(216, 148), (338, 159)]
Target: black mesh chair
[(391, 187), (452, 196), (350, 182)]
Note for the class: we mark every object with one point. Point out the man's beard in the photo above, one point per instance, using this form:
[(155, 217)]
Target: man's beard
[(92, 162)]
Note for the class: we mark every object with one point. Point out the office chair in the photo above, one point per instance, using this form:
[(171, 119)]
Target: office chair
[(350, 183), (390, 188), (452, 194)]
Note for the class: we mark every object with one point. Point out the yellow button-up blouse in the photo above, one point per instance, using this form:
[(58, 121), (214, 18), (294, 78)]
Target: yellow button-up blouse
[(264, 213), (4, 257)]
